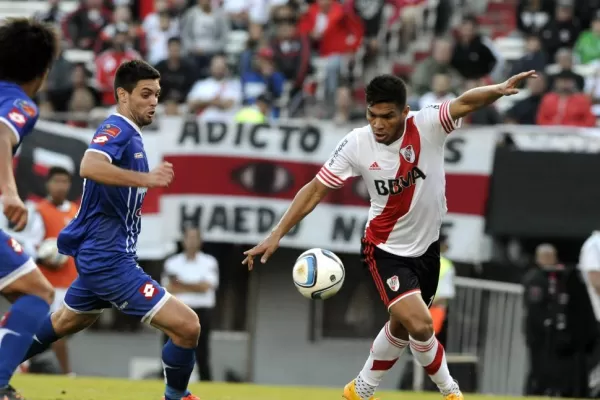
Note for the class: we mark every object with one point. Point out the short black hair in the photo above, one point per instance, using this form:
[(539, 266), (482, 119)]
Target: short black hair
[(28, 48), (131, 72), (386, 89), (57, 171), (174, 39)]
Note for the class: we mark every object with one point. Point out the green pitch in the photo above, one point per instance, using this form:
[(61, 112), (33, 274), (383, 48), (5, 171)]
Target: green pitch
[(38, 387)]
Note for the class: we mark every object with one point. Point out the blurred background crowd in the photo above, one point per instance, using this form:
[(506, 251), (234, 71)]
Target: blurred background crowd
[(303, 58)]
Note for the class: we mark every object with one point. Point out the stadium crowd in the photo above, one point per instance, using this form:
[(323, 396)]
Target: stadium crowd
[(311, 58)]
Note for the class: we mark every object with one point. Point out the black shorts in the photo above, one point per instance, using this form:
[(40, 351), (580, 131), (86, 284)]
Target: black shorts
[(396, 277)]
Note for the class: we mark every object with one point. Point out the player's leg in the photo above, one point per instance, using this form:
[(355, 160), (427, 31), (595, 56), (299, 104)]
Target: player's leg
[(392, 340), (31, 295), (140, 295), (203, 348), (80, 309), (60, 347)]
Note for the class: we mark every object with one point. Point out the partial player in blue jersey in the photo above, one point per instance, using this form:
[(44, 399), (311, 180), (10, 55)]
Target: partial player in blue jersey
[(103, 236), (27, 50)]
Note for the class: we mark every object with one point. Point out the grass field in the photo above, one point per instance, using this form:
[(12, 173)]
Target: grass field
[(36, 387)]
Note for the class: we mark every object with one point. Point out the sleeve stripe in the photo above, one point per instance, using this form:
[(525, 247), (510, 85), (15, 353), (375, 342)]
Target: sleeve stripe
[(101, 152), (445, 119), (333, 177), (327, 180), (12, 128)]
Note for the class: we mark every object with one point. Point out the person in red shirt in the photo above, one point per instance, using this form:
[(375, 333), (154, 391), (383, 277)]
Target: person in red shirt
[(564, 105), (108, 61)]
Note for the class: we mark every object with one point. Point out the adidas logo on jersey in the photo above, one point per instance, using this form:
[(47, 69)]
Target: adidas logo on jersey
[(374, 167)]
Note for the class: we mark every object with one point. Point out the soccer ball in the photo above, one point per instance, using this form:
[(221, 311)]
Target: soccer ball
[(48, 250), (318, 274)]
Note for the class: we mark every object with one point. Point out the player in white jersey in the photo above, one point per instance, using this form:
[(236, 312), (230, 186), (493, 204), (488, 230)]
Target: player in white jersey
[(401, 159)]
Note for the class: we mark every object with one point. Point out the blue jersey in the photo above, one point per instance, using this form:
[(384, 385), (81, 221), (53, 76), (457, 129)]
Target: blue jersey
[(17, 111), (109, 218)]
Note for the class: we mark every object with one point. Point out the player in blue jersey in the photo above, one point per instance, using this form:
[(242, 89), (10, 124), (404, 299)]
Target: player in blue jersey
[(27, 50), (102, 238)]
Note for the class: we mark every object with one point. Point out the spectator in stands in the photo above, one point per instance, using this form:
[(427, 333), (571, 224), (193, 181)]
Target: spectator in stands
[(59, 79), (586, 11), (292, 53), (346, 111), (592, 89), (238, 13), (193, 277), (533, 15), (152, 23), (258, 113), (159, 39), (564, 60), (53, 15), (108, 61), (474, 55), (483, 116), (83, 26), (565, 105), (177, 74), (534, 58), (204, 31), (562, 30), (122, 15), (441, 91), (587, 48), (335, 32), (525, 111), (79, 90), (218, 97), (263, 78), (589, 265), (437, 63), (261, 11)]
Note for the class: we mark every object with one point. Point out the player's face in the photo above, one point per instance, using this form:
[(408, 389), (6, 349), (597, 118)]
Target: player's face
[(387, 121), (58, 187), (143, 101)]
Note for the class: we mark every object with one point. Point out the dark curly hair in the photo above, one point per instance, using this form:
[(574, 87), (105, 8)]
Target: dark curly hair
[(386, 89), (28, 48)]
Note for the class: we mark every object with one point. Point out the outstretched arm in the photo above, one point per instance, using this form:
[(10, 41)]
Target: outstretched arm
[(305, 201), (480, 97)]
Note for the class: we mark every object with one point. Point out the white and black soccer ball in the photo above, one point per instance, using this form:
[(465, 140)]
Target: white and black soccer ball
[(318, 274)]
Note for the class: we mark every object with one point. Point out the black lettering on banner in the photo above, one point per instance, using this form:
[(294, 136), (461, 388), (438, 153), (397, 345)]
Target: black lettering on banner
[(454, 149), (254, 139), (32, 184), (266, 219), (189, 217), (190, 131), (239, 134), (346, 228), (287, 134), (240, 219), (396, 186), (310, 139), (218, 219), (337, 152), (216, 131)]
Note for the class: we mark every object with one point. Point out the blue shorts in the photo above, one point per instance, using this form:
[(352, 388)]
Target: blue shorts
[(114, 281), (14, 262)]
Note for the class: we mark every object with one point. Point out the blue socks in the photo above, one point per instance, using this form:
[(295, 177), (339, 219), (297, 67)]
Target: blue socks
[(43, 339), (178, 364), (16, 333)]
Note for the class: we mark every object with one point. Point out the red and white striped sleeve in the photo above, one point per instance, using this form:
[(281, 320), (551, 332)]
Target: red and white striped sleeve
[(339, 167), (435, 120)]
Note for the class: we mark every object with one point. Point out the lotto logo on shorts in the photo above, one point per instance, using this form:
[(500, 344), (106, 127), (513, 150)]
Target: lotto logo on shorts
[(16, 246), (148, 290)]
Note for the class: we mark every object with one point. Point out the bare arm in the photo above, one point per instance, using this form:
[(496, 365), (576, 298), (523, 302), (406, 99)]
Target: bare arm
[(305, 201), (594, 277), (7, 178), (483, 96), (177, 286), (97, 167)]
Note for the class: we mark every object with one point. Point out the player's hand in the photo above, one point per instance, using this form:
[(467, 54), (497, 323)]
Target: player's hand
[(15, 211), (510, 86), (161, 176), (266, 248)]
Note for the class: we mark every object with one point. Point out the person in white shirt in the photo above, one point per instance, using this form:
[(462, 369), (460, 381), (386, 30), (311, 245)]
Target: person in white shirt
[(440, 91), (589, 265), (401, 159), (217, 98), (193, 277)]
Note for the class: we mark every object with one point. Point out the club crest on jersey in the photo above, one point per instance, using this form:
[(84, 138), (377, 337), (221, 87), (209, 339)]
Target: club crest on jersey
[(27, 108), (394, 283), (408, 153), (396, 186), (110, 130)]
